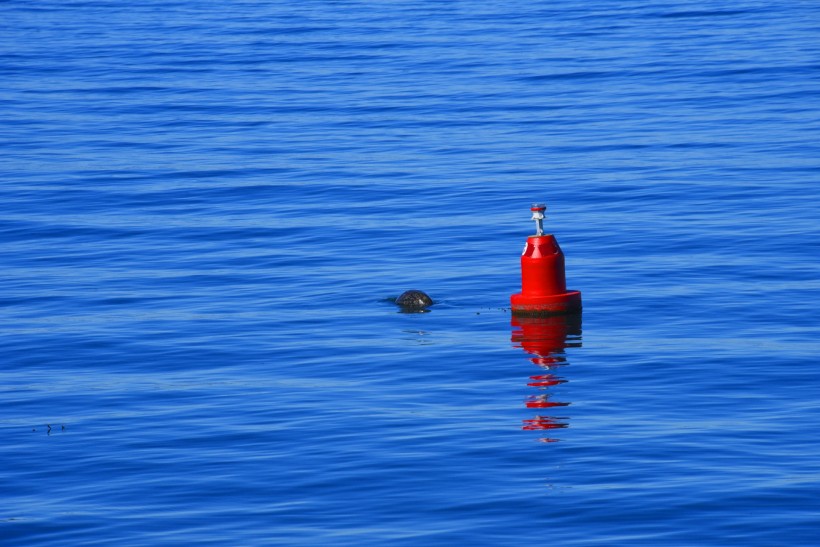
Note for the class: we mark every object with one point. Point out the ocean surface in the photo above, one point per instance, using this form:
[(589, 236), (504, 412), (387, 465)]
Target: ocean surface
[(208, 207)]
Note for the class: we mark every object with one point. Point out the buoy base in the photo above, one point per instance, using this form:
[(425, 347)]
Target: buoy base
[(546, 305)]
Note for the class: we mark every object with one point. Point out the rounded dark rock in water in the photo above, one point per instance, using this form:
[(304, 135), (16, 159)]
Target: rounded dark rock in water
[(414, 300)]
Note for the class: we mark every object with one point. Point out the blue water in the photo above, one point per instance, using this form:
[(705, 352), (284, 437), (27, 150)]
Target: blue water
[(207, 207)]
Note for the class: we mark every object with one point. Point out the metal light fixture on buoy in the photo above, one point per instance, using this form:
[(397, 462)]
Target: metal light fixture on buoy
[(543, 280)]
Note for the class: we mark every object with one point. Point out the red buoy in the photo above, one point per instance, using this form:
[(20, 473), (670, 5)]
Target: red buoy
[(543, 280)]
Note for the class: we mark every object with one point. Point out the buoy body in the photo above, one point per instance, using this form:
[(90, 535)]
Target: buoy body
[(543, 281)]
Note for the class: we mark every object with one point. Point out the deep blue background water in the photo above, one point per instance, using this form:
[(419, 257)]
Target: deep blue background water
[(208, 205)]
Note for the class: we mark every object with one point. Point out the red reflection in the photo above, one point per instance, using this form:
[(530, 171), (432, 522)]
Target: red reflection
[(545, 380), (545, 340), (541, 401), (544, 422)]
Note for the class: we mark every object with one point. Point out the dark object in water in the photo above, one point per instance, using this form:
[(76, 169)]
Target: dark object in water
[(414, 300)]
